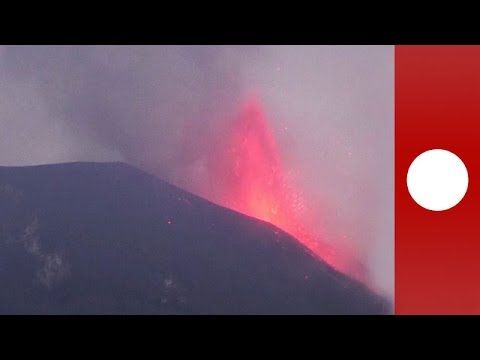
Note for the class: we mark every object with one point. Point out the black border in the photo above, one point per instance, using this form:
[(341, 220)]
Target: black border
[(241, 23)]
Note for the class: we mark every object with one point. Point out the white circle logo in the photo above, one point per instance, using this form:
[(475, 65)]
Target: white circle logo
[(437, 180)]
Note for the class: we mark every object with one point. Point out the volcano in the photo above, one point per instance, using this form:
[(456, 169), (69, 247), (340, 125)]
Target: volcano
[(107, 238)]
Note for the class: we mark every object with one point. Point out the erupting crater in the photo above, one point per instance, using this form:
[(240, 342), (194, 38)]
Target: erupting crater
[(249, 177)]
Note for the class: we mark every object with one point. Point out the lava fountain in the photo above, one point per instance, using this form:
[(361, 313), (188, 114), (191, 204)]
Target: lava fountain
[(248, 176)]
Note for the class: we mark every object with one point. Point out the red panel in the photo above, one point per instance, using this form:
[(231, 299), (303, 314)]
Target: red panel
[(437, 105)]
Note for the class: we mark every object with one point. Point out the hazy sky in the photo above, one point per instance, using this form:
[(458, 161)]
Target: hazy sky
[(331, 108)]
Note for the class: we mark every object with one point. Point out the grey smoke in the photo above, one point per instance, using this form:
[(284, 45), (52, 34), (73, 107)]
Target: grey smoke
[(157, 107), (53, 267)]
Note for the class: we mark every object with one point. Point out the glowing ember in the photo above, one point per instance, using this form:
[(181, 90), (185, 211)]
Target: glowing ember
[(250, 178)]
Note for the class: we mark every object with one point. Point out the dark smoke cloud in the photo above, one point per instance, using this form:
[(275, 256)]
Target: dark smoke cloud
[(159, 107), (137, 102)]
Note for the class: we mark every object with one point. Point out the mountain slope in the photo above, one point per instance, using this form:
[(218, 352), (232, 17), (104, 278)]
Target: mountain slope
[(106, 238)]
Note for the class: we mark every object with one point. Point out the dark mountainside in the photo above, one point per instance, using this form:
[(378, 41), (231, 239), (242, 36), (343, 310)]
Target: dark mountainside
[(106, 238)]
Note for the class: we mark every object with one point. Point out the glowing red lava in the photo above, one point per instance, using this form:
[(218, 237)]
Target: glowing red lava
[(251, 180)]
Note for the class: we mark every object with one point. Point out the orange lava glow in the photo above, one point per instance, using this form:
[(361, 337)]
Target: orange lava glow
[(253, 181)]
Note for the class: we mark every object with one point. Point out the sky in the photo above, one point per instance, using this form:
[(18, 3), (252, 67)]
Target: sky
[(156, 107)]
